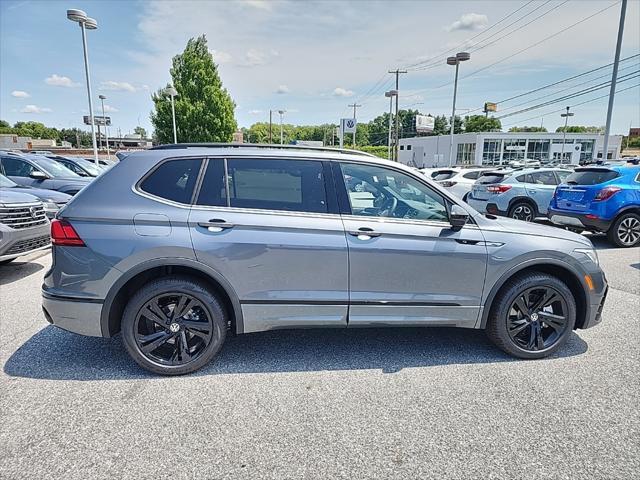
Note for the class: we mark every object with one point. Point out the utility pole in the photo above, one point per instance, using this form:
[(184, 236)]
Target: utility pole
[(614, 76), (564, 135), (354, 105), (281, 112), (270, 127), (397, 73)]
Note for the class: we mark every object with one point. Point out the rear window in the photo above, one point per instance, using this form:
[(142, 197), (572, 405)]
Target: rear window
[(443, 174), (491, 177), (591, 177), (173, 180), (472, 175)]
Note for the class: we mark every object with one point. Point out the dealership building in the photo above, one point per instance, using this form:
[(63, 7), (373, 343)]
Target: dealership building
[(497, 148)]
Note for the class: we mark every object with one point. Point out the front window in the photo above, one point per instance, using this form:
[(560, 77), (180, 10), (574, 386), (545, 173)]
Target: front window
[(15, 167), (381, 192), (542, 178)]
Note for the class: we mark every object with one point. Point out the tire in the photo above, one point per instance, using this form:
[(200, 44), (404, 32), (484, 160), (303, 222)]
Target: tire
[(5, 262), (515, 332), (522, 211), (156, 337), (625, 231)]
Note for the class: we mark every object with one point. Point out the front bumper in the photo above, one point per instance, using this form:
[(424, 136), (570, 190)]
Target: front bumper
[(17, 242), (73, 314), (578, 220)]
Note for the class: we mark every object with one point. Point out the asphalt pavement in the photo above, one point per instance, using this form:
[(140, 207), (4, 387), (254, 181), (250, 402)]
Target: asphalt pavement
[(390, 403)]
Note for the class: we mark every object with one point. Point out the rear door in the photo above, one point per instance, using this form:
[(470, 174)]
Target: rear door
[(540, 187), (271, 227), (406, 264)]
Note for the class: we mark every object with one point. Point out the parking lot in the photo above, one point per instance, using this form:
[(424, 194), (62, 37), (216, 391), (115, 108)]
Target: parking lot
[(394, 403)]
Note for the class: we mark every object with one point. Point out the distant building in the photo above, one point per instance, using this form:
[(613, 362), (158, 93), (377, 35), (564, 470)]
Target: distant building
[(10, 141), (634, 132), (497, 148), (42, 143), (237, 137)]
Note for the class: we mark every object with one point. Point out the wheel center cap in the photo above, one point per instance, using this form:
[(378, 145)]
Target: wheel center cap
[(534, 317), (174, 327)]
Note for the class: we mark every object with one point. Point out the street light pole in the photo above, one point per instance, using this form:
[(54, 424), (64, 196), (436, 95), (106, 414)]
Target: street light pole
[(390, 94), (614, 75), (172, 92), (564, 134), (460, 57), (281, 112), (397, 73), (86, 23), (106, 131)]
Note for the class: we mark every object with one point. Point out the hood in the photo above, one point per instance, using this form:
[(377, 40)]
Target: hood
[(504, 224), (42, 194), (8, 197)]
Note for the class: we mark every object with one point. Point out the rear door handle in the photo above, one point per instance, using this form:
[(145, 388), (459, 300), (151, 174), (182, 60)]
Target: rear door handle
[(216, 225), (364, 233)]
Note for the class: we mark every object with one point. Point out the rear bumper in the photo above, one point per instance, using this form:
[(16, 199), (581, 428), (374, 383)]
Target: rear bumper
[(578, 220), (73, 314)]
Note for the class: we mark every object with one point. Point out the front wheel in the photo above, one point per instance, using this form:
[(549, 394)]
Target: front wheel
[(174, 325), (625, 231), (532, 316)]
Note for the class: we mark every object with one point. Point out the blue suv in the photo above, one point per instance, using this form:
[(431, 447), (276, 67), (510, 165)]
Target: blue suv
[(601, 199), (521, 194)]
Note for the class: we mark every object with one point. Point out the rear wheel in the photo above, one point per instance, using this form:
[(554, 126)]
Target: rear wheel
[(174, 325), (522, 211), (625, 231), (532, 316)]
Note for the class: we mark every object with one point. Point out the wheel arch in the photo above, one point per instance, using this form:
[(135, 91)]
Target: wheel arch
[(116, 300), (523, 199), (553, 267), (626, 209)]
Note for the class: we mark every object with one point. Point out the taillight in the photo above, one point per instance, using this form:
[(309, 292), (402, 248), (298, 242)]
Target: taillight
[(606, 193), (63, 234), (447, 183), (498, 188)]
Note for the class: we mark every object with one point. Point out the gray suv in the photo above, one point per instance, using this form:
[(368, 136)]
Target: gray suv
[(178, 246)]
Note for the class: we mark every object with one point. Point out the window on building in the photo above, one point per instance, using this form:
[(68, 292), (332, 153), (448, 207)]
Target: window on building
[(173, 180), (292, 185), (408, 147), (586, 152), (401, 147), (491, 152), (513, 150), (538, 150), (466, 154)]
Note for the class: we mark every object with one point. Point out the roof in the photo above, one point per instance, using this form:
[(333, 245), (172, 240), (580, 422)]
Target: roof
[(261, 146)]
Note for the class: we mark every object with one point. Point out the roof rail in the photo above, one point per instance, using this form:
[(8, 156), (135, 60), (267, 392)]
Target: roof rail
[(173, 146)]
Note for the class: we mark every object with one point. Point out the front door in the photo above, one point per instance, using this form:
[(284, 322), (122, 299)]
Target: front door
[(273, 230), (407, 265)]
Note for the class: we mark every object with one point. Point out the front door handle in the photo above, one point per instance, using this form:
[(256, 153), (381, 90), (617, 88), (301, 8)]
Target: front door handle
[(365, 233), (216, 225)]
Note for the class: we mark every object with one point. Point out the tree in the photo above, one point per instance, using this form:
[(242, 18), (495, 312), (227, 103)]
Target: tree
[(581, 129), (480, 123), (204, 109), (4, 124), (140, 131), (72, 135), (527, 129)]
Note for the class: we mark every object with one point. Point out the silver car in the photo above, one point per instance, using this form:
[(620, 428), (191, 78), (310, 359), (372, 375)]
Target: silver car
[(24, 227), (178, 246)]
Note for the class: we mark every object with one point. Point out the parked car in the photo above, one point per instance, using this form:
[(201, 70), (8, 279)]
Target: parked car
[(24, 227), (601, 199), (79, 166), (460, 181), (522, 194), (51, 200), (208, 240), (41, 172)]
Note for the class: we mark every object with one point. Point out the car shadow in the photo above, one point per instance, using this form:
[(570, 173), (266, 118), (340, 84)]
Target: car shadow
[(17, 271), (54, 354), (601, 243)]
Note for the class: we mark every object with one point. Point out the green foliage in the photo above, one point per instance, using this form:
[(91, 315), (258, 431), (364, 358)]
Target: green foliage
[(204, 109), (35, 130), (581, 129), (527, 129), (377, 150), (632, 143), (140, 131), (480, 123), (72, 135), (4, 124)]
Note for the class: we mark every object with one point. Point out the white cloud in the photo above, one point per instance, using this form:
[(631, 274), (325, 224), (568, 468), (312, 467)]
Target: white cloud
[(255, 57), (60, 81), (282, 89), (117, 86), (254, 112), (35, 109), (107, 109), (20, 94), (469, 21), (221, 57), (259, 4), (342, 92)]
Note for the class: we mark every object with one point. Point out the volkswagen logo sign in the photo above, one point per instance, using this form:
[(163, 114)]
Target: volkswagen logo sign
[(33, 211)]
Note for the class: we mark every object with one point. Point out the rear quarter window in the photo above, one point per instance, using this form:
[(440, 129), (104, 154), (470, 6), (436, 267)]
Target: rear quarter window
[(173, 180), (591, 177)]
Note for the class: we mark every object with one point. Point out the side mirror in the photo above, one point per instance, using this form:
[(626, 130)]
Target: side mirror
[(38, 175), (458, 217)]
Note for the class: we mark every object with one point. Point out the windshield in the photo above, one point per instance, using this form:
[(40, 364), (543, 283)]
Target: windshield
[(591, 177), (5, 182), (88, 166), (53, 168)]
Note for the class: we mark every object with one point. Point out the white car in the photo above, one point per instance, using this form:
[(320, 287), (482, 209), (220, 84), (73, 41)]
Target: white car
[(458, 181)]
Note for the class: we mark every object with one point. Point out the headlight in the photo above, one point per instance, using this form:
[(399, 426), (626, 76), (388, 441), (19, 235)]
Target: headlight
[(51, 206), (589, 252)]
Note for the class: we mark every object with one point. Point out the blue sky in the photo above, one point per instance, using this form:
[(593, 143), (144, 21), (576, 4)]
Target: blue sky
[(314, 58)]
